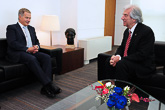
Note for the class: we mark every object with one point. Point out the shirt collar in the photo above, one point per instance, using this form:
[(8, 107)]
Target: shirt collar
[(133, 28), (21, 25)]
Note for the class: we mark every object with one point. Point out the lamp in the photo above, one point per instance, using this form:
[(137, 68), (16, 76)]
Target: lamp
[(50, 23)]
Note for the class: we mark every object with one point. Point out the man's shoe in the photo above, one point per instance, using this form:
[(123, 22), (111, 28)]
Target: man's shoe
[(55, 89), (48, 92)]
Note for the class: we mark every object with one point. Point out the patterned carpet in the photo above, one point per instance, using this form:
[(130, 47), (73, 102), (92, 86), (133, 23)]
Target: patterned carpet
[(29, 98)]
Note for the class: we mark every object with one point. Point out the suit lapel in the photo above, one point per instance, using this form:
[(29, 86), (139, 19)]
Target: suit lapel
[(134, 36), (19, 29), (126, 36), (21, 33)]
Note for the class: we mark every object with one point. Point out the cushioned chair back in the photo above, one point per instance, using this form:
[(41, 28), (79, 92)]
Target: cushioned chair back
[(3, 47), (160, 53)]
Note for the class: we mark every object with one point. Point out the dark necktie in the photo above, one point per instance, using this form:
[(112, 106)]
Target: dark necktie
[(127, 44)]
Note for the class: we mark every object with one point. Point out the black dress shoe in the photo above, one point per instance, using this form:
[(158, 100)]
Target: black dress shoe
[(56, 89), (48, 92)]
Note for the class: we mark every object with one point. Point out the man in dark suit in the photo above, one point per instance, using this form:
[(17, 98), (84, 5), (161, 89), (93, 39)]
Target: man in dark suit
[(135, 56), (23, 47)]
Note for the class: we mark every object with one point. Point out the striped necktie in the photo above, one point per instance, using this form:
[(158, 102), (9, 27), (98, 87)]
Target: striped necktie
[(127, 44), (28, 38)]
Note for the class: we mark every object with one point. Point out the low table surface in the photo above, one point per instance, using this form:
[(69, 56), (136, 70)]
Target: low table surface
[(63, 47), (85, 100)]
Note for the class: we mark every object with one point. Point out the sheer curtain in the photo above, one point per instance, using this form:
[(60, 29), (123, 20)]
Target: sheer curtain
[(153, 16)]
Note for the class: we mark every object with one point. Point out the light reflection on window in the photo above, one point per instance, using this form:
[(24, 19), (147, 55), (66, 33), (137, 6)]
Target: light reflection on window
[(153, 15)]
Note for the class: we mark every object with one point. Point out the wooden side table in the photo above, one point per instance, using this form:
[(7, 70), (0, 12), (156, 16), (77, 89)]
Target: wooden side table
[(71, 59)]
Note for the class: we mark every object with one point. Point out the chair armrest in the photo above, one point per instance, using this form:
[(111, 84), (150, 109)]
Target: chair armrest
[(56, 55)]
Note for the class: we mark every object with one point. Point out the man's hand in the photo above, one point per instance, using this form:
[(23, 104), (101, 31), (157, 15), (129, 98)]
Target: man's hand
[(30, 49), (35, 46), (33, 49), (114, 59)]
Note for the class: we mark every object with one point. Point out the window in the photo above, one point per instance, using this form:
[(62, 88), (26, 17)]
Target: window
[(153, 16)]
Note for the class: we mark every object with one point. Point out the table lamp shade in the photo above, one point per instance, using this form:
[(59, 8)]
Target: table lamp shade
[(50, 23)]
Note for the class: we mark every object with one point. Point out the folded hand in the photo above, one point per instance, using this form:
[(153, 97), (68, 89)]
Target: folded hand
[(114, 59), (33, 49)]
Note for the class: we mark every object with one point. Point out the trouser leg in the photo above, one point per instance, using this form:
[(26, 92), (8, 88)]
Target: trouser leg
[(45, 62), (33, 63), (109, 70), (125, 70)]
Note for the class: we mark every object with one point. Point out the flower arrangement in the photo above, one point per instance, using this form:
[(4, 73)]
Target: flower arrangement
[(116, 97)]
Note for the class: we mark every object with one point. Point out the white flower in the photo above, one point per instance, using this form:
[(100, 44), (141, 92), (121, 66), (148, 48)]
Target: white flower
[(127, 88), (128, 102), (98, 97), (112, 86), (108, 84)]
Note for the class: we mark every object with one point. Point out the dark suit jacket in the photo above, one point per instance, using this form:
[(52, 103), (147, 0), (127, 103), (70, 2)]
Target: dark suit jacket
[(17, 41), (141, 50)]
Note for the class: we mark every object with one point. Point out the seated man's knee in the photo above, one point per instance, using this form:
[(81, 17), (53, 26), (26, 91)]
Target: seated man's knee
[(120, 64), (32, 59), (47, 57)]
